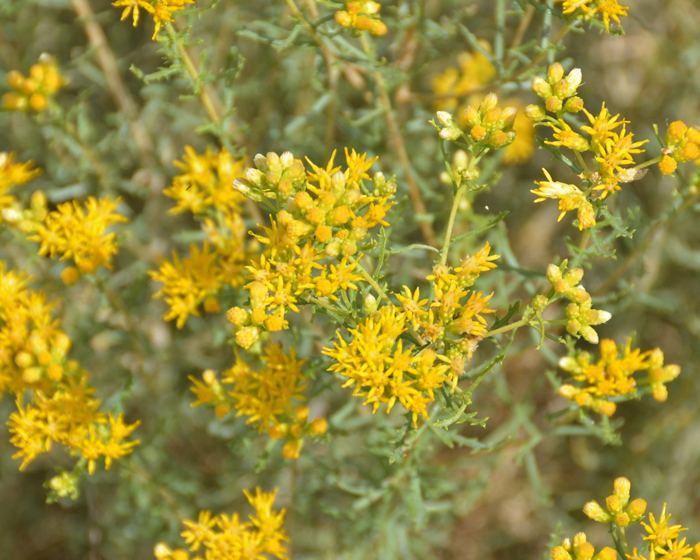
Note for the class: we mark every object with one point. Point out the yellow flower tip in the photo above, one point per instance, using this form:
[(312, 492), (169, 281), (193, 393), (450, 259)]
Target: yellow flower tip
[(478, 133), (622, 519), (162, 552), (604, 407), (70, 275)]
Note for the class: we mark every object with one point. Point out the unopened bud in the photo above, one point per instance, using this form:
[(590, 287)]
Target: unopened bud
[(489, 102), (596, 512), (318, 427), (541, 87), (535, 113), (573, 105), (301, 413), (636, 510), (555, 73)]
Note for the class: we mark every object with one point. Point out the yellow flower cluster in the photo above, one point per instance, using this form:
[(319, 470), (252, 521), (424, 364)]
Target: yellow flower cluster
[(612, 375), (34, 357), (205, 189), (227, 538), (13, 175), (362, 15), (308, 229), (580, 314), (682, 144), (581, 549), (609, 9), (33, 92), (161, 10), (474, 73), (619, 509), (663, 539), (78, 233), (612, 149), (489, 126), (375, 362), (264, 396)]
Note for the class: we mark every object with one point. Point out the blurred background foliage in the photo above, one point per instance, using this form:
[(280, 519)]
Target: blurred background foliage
[(269, 89)]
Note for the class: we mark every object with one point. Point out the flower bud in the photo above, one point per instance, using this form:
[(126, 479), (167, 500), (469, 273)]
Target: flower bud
[(596, 512), (301, 413), (606, 554), (560, 553), (489, 102), (553, 273), (508, 117), (573, 105), (553, 104), (535, 113), (572, 81), (318, 427), (471, 116), (370, 304), (287, 159), (478, 133), (444, 118), (539, 302), (247, 336), (555, 73), (292, 449), (568, 391), (589, 334), (606, 408), (585, 551), (622, 519), (636, 510), (541, 87), (278, 431), (450, 133)]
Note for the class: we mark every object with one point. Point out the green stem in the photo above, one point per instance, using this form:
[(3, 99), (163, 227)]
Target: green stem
[(524, 321), (451, 223), (648, 163), (323, 302)]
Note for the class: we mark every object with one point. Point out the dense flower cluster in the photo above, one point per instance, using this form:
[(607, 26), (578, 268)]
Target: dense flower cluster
[(612, 375), (305, 230), (581, 317), (227, 538), (663, 540), (161, 10), (612, 149), (587, 9), (264, 396), (34, 360), (362, 15), (476, 72), (13, 175), (205, 189), (682, 144), (78, 233), (35, 91), (379, 367)]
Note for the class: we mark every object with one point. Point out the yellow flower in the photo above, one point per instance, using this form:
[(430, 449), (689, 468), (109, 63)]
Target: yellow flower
[(660, 534), (265, 396), (161, 10), (609, 9), (188, 283), (570, 196), (80, 233), (226, 537), (361, 15), (34, 92)]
